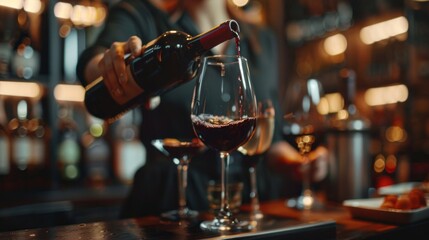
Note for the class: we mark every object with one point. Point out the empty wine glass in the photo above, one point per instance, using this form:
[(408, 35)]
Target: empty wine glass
[(256, 147), (304, 123), (180, 151), (224, 118)]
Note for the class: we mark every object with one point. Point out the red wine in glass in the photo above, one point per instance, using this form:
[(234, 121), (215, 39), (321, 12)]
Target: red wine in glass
[(212, 129)]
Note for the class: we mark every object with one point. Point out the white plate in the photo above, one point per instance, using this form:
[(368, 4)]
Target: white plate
[(400, 188), (370, 209)]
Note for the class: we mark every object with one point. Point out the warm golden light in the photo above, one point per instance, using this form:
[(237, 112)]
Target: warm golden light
[(335, 44), (333, 102), (33, 6), (386, 95), (379, 164), (69, 93), (323, 106), (240, 3), (80, 15), (396, 134), (343, 114), (15, 4), (384, 30), (20, 89), (63, 10)]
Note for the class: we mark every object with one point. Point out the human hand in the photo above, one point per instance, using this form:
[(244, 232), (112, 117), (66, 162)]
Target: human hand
[(283, 156), (113, 69)]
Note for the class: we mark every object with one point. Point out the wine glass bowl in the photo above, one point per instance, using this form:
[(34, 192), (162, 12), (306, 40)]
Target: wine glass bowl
[(304, 123), (180, 151), (224, 117)]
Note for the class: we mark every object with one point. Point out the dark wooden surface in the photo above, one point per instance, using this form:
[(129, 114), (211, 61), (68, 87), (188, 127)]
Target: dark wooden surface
[(332, 222), (348, 227)]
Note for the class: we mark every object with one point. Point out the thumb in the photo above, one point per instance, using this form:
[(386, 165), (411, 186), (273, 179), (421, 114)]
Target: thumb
[(134, 46)]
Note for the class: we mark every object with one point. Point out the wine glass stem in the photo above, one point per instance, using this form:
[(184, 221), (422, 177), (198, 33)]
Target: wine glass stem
[(306, 173), (254, 190), (224, 205), (182, 173)]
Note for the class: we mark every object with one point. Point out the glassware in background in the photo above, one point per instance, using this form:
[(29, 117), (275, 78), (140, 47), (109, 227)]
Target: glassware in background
[(180, 151), (224, 117), (304, 123), (214, 193), (256, 147)]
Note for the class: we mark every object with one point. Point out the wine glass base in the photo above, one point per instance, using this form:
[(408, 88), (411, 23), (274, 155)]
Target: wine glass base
[(256, 215), (226, 225), (304, 203), (176, 215)]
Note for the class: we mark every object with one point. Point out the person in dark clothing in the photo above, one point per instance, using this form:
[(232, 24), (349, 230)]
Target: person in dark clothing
[(133, 22)]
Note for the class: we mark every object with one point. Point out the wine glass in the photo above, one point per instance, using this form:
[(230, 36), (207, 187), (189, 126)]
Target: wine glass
[(181, 151), (224, 118), (304, 123), (256, 147)]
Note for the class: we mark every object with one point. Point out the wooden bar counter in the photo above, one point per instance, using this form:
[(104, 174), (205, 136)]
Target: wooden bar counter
[(280, 222)]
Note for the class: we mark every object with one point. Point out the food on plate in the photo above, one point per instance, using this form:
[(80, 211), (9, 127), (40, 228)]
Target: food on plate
[(403, 202), (389, 201), (412, 200)]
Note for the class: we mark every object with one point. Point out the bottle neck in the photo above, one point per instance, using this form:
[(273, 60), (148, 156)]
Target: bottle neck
[(217, 35), (348, 78)]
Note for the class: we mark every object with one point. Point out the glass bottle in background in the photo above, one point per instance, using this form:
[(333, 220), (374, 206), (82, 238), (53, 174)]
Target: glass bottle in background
[(129, 151), (39, 133), (4, 150), (69, 148), (20, 146), (5, 57), (97, 154)]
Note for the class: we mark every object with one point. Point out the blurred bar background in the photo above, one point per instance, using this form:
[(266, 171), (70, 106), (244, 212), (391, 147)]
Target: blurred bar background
[(58, 159)]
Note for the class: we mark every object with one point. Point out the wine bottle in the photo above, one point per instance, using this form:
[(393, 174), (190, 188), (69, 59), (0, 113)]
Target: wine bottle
[(69, 147), (21, 167), (97, 154), (169, 60), (39, 134)]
